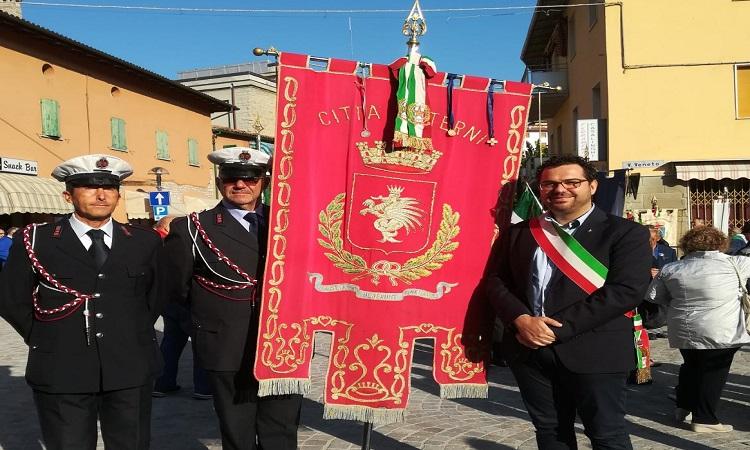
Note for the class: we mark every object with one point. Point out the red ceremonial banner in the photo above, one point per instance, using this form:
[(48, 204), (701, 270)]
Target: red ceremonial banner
[(380, 246)]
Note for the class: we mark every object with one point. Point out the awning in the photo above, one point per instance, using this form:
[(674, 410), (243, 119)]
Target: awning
[(703, 170), (30, 194), (137, 206)]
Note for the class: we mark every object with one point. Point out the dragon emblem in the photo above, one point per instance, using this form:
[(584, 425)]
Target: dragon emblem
[(393, 213)]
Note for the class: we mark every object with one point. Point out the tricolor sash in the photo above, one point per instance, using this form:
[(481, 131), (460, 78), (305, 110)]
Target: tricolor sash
[(588, 273)]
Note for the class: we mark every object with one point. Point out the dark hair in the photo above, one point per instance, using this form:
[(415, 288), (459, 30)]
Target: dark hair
[(745, 228), (703, 239), (589, 170)]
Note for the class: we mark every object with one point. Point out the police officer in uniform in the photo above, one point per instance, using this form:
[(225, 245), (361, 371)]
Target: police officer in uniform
[(82, 292), (216, 261)]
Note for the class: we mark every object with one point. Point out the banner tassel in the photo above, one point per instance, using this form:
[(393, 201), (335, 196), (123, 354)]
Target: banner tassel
[(464, 390), (377, 416), (283, 386)]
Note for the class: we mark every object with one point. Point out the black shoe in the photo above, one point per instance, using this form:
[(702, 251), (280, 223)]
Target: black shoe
[(158, 393), (200, 396)]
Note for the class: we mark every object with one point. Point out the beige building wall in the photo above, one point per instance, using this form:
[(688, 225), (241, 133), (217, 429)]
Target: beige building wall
[(253, 95), (589, 65), (672, 96)]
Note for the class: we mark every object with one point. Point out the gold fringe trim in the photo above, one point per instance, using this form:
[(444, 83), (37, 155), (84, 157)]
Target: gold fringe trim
[(283, 386), (376, 416), (464, 390), (416, 143), (643, 375)]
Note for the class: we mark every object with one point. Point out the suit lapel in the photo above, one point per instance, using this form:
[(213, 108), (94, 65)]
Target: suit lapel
[(229, 227), (70, 245), (118, 251)]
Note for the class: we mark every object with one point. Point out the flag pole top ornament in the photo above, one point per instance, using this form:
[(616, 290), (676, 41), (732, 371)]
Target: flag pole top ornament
[(415, 26)]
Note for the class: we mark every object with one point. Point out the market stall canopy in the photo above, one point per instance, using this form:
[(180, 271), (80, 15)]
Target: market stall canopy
[(703, 170)]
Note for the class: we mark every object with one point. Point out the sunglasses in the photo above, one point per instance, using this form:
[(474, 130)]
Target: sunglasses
[(246, 180)]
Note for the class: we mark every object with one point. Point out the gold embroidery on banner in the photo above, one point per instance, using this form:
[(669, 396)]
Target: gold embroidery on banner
[(393, 213), (423, 159), (367, 389), (413, 269), (453, 361)]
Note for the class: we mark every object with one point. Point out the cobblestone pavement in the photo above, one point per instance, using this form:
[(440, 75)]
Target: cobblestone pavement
[(497, 423)]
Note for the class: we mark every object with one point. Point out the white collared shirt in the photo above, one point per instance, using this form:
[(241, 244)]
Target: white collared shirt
[(542, 267), (81, 229), (239, 214)]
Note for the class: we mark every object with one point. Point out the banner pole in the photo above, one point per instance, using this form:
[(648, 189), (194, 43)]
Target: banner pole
[(366, 435)]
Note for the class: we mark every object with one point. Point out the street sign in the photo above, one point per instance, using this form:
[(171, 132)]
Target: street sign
[(159, 198), (160, 211)]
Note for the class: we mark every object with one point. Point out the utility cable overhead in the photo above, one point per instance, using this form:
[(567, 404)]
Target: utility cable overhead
[(302, 11)]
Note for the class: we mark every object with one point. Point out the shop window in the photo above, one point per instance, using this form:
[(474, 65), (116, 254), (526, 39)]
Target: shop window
[(119, 141), (50, 118)]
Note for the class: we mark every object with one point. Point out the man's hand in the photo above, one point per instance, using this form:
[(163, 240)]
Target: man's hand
[(535, 332)]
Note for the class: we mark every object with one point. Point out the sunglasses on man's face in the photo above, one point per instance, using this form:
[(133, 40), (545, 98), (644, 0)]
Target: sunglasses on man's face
[(246, 180)]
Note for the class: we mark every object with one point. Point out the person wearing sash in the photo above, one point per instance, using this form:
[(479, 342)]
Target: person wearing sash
[(83, 293), (565, 284), (216, 259)]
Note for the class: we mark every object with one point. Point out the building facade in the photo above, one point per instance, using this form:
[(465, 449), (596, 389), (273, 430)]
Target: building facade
[(251, 87), (659, 88), (60, 98)]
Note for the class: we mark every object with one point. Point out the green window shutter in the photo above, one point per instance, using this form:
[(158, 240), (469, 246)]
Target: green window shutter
[(119, 141), (162, 145), (193, 152), (50, 118)]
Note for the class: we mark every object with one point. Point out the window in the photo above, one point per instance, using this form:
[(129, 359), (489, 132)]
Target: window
[(50, 118), (193, 152), (596, 101), (742, 78), (162, 145), (119, 141), (572, 38), (593, 9)]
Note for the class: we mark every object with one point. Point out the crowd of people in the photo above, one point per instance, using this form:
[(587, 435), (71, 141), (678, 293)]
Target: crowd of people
[(567, 286)]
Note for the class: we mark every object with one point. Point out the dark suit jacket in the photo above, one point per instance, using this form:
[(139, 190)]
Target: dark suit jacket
[(663, 255), (595, 337), (225, 329), (125, 354)]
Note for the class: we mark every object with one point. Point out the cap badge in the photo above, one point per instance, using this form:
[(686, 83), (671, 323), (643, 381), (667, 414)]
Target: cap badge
[(102, 163), (244, 156)]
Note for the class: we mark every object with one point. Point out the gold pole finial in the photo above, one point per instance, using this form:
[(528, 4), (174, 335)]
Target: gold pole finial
[(415, 26)]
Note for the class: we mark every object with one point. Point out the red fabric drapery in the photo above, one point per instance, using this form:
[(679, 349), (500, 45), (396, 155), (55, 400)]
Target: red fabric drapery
[(378, 247)]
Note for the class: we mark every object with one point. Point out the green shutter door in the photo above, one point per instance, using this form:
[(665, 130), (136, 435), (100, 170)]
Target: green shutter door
[(192, 152), (119, 141), (50, 118), (162, 145)]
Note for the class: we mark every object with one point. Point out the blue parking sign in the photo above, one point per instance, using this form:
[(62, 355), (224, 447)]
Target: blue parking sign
[(159, 198), (160, 211)]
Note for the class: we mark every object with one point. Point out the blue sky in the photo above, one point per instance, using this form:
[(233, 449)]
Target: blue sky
[(485, 43)]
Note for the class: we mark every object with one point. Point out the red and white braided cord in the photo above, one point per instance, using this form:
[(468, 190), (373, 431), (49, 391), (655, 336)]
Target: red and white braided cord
[(251, 282), (40, 312)]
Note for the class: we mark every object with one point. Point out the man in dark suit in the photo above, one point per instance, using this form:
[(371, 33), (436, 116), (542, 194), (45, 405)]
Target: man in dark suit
[(217, 260), (90, 325), (570, 351)]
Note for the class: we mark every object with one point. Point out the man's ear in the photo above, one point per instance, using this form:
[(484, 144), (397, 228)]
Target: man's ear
[(67, 196)]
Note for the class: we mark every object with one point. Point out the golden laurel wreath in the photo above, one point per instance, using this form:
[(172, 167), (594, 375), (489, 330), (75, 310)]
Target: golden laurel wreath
[(413, 269)]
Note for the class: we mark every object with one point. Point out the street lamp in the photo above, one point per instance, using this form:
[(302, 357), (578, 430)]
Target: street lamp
[(158, 171)]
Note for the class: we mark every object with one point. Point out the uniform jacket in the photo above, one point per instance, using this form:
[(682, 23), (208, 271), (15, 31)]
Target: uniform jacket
[(225, 329), (123, 351), (595, 337), (703, 294)]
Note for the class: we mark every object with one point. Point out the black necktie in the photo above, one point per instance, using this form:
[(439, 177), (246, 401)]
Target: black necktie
[(252, 219), (98, 250)]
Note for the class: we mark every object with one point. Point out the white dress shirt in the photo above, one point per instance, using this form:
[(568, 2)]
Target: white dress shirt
[(81, 229)]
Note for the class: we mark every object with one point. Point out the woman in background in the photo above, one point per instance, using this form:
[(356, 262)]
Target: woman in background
[(704, 320)]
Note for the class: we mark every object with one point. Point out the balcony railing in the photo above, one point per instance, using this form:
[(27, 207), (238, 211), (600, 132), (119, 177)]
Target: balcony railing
[(552, 100)]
